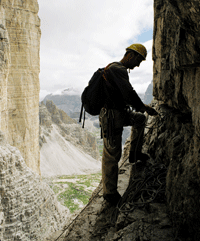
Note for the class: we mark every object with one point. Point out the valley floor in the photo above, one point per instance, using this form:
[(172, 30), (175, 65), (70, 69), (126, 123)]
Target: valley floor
[(74, 191)]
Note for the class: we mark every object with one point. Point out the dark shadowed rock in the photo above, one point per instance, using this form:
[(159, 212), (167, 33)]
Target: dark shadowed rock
[(176, 140)]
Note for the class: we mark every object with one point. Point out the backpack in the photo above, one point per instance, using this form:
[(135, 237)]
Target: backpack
[(93, 95)]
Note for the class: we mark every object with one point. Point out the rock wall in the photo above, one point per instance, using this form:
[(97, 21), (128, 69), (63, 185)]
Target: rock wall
[(176, 140), (29, 209), (19, 77)]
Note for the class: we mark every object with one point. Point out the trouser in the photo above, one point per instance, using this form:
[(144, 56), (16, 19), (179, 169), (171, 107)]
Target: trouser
[(112, 139)]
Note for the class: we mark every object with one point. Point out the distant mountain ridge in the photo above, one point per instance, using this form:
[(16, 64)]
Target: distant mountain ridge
[(148, 96), (68, 103), (71, 103)]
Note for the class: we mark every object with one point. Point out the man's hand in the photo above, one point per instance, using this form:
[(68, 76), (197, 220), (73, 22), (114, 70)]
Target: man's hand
[(149, 110)]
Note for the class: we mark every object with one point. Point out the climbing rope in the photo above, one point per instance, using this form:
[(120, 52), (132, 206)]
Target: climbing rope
[(141, 192)]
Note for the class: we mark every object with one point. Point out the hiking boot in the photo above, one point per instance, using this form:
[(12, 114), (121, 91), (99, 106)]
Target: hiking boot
[(143, 157), (113, 199)]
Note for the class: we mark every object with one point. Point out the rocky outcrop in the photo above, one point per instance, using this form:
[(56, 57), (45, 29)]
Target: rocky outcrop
[(19, 78), (176, 140), (73, 149), (70, 104), (50, 114), (4, 65), (28, 207)]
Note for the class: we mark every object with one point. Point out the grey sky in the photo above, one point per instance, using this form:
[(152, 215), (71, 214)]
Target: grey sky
[(79, 36)]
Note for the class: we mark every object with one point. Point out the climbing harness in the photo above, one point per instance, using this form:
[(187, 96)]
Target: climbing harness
[(109, 132)]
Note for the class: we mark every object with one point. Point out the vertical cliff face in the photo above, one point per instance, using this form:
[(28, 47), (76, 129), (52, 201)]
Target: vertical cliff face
[(29, 209), (176, 142), (176, 54), (19, 78), (4, 65)]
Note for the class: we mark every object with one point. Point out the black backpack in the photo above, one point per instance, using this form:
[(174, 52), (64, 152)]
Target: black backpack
[(93, 95)]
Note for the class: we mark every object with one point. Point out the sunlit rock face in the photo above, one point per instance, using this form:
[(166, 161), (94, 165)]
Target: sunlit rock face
[(19, 77), (29, 209), (176, 55)]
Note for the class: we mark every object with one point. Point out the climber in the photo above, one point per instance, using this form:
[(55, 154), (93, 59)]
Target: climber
[(116, 113)]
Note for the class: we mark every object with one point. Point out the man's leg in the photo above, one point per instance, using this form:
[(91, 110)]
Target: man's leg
[(111, 154), (137, 121), (110, 158)]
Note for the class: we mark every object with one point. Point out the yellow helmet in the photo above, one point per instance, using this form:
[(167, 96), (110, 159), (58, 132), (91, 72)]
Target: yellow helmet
[(139, 48)]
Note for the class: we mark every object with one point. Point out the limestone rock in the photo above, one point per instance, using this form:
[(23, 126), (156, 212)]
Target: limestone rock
[(28, 207), (4, 70), (176, 137), (69, 127), (19, 77), (73, 149)]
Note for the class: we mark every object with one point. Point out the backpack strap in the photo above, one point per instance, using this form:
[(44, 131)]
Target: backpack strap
[(83, 120), (104, 72), (81, 113)]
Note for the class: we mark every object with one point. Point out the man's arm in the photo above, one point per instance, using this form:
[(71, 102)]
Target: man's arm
[(149, 110), (119, 75)]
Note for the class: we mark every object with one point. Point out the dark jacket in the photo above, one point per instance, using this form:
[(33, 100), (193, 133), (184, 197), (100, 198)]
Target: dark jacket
[(119, 91)]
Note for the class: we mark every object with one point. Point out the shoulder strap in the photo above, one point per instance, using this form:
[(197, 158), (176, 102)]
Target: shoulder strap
[(81, 113)]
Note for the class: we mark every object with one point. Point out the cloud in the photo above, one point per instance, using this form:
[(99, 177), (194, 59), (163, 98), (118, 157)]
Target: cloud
[(144, 73), (79, 36), (43, 93)]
